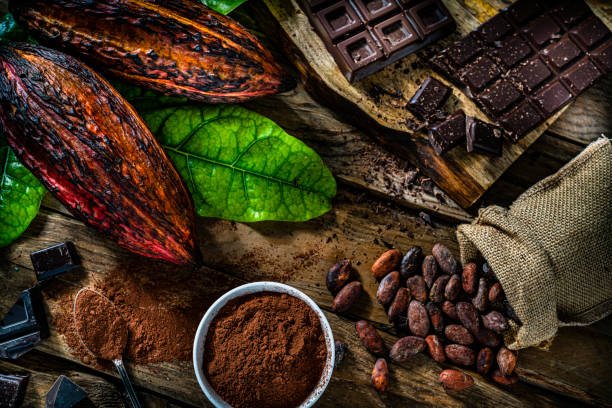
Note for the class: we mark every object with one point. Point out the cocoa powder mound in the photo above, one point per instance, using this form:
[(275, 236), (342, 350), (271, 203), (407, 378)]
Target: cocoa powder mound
[(265, 350)]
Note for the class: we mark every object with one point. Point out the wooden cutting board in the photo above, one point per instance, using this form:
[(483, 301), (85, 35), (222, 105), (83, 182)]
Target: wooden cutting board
[(377, 103)]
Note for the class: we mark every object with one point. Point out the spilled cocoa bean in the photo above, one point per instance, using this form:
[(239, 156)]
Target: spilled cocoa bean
[(388, 288), (338, 276), (418, 290), (453, 288), (501, 379), (406, 347), (496, 293), (449, 309), (495, 321), (454, 380), (444, 257), (411, 262), (468, 315), (429, 269), (469, 278), (347, 297), (435, 348), (484, 361), (435, 317), (370, 338), (481, 299), (506, 361), (458, 334), (387, 262), (436, 294), (418, 319), (399, 306), (380, 375), (459, 354)]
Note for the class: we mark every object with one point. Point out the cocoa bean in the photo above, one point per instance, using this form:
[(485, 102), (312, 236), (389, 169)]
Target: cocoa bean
[(469, 278), (487, 337), (418, 319), (450, 310), (495, 321), (380, 375), (399, 306), (487, 272), (436, 293), (454, 380), (444, 257), (418, 288), (435, 348), (459, 354), (496, 293), (458, 334), (339, 275), (499, 378), (484, 361), (411, 262), (370, 338), (387, 262), (506, 361), (481, 300), (347, 296), (406, 347), (341, 350), (435, 316), (429, 269), (467, 314), (453, 288), (388, 288)]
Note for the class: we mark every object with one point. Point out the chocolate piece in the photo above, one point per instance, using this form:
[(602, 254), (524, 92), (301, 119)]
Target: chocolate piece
[(54, 260), (531, 74), (12, 390), (520, 120), (552, 97), (495, 28), (602, 56), (482, 137), (542, 30), (499, 96), (448, 134), (480, 73), (513, 50), (581, 75), (523, 10), (66, 394), (464, 50), (561, 53), (365, 36), (429, 98), (590, 32), (569, 13)]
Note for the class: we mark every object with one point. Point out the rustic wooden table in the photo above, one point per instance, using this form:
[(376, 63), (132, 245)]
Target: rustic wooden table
[(378, 205)]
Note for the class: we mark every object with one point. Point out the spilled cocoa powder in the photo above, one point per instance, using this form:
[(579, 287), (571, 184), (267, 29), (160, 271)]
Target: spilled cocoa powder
[(265, 350)]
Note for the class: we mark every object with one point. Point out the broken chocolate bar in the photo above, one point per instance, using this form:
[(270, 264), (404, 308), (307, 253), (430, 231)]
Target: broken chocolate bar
[(483, 137), (66, 394), (429, 98), (448, 134), (12, 390), (365, 36), (54, 260)]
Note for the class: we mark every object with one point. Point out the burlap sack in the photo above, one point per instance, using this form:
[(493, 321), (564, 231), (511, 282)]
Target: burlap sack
[(552, 249)]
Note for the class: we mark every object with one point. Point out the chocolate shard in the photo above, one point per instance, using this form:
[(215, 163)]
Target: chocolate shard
[(483, 137), (12, 390), (66, 394), (54, 260), (429, 98), (448, 134)]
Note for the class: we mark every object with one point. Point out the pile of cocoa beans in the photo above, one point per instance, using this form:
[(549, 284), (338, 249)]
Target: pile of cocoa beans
[(457, 315)]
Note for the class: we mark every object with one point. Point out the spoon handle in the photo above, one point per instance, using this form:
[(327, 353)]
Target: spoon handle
[(127, 384)]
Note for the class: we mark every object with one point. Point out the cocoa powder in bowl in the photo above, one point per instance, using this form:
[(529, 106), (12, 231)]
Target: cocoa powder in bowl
[(265, 350)]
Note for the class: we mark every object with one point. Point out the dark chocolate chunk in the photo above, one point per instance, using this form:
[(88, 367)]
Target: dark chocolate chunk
[(570, 12), (54, 260), (500, 96), (523, 10), (512, 50), (448, 134), (581, 75), (602, 56), (464, 50), (542, 30), (338, 20), (442, 65), (12, 390), (552, 97), (429, 98), (495, 28), (480, 73), (590, 32), (561, 53), (483, 137), (531, 74), (520, 120), (66, 394)]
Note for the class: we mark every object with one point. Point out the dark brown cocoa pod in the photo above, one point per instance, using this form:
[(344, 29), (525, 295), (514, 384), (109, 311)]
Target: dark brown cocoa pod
[(455, 380), (495, 321), (449, 309), (459, 354), (444, 257), (387, 262), (499, 378), (484, 361), (418, 289), (406, 347), (338, 276), (418, 319), (506, 361), (453, 288), (469, 278), (435, 316), (388, 288), (496, 293), (370, 338), (487, 337), (458, 334), (435, 348), (481, 300), (399, 306), (347, 296), (411, 262), (467, 314), (341, 350), (429, 269), (380, 375), (436, 294)]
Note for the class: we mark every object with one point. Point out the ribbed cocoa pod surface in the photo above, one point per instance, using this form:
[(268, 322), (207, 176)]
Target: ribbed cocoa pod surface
[(94, 153), (176, 47)]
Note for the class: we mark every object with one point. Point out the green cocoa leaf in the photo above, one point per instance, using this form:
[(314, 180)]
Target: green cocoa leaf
[(223, 6), (241, 166)]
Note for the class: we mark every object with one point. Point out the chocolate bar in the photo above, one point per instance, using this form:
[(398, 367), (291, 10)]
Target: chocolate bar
[(54, 260), (429, 98), (483, 137), (66, 394), (529, 61), (365, 36), (12, 390), (448, 133)]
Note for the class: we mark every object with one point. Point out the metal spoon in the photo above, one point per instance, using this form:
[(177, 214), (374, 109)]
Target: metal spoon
[(120, 329)]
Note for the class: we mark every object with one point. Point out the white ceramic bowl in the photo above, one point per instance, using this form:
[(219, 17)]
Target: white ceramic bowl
[(248, 289)]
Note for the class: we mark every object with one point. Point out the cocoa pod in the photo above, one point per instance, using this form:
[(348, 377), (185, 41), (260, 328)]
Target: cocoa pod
[(435, 348), (179, 47), (453, 288), (370, 338), (411, 263), (467, 314), (469, 278), (418, 289), (495, 321), (418, 319), (340, 352), (487, 337), (459, 354), (444, 257), (501, 379), (347, 296), (484, 361), (89, 148), (406, 347), (435, 316), (387, 262), (388, 288), (380, 375), (496, 293), (454, 380), (481, 300), (339, 275), (436, 294), (449, 309), (399, 306), (506, 361), (458, 334), (429, 269)]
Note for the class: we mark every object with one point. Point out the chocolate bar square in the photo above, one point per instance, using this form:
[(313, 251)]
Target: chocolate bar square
[(500, 96), (520, 120), (429, 98), (429, 16), (542, 30), (581, 75), (448, 134), (590, 32), (495, 28), (570, 12), (602, 56), (523, 10), (513, 50), (360, 50), (373, 9), (552, 97), (12, 390), (464, 50), (531, 74), (480, 73), (561, 53), (483, 137), (396, 33), (339, 19)]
